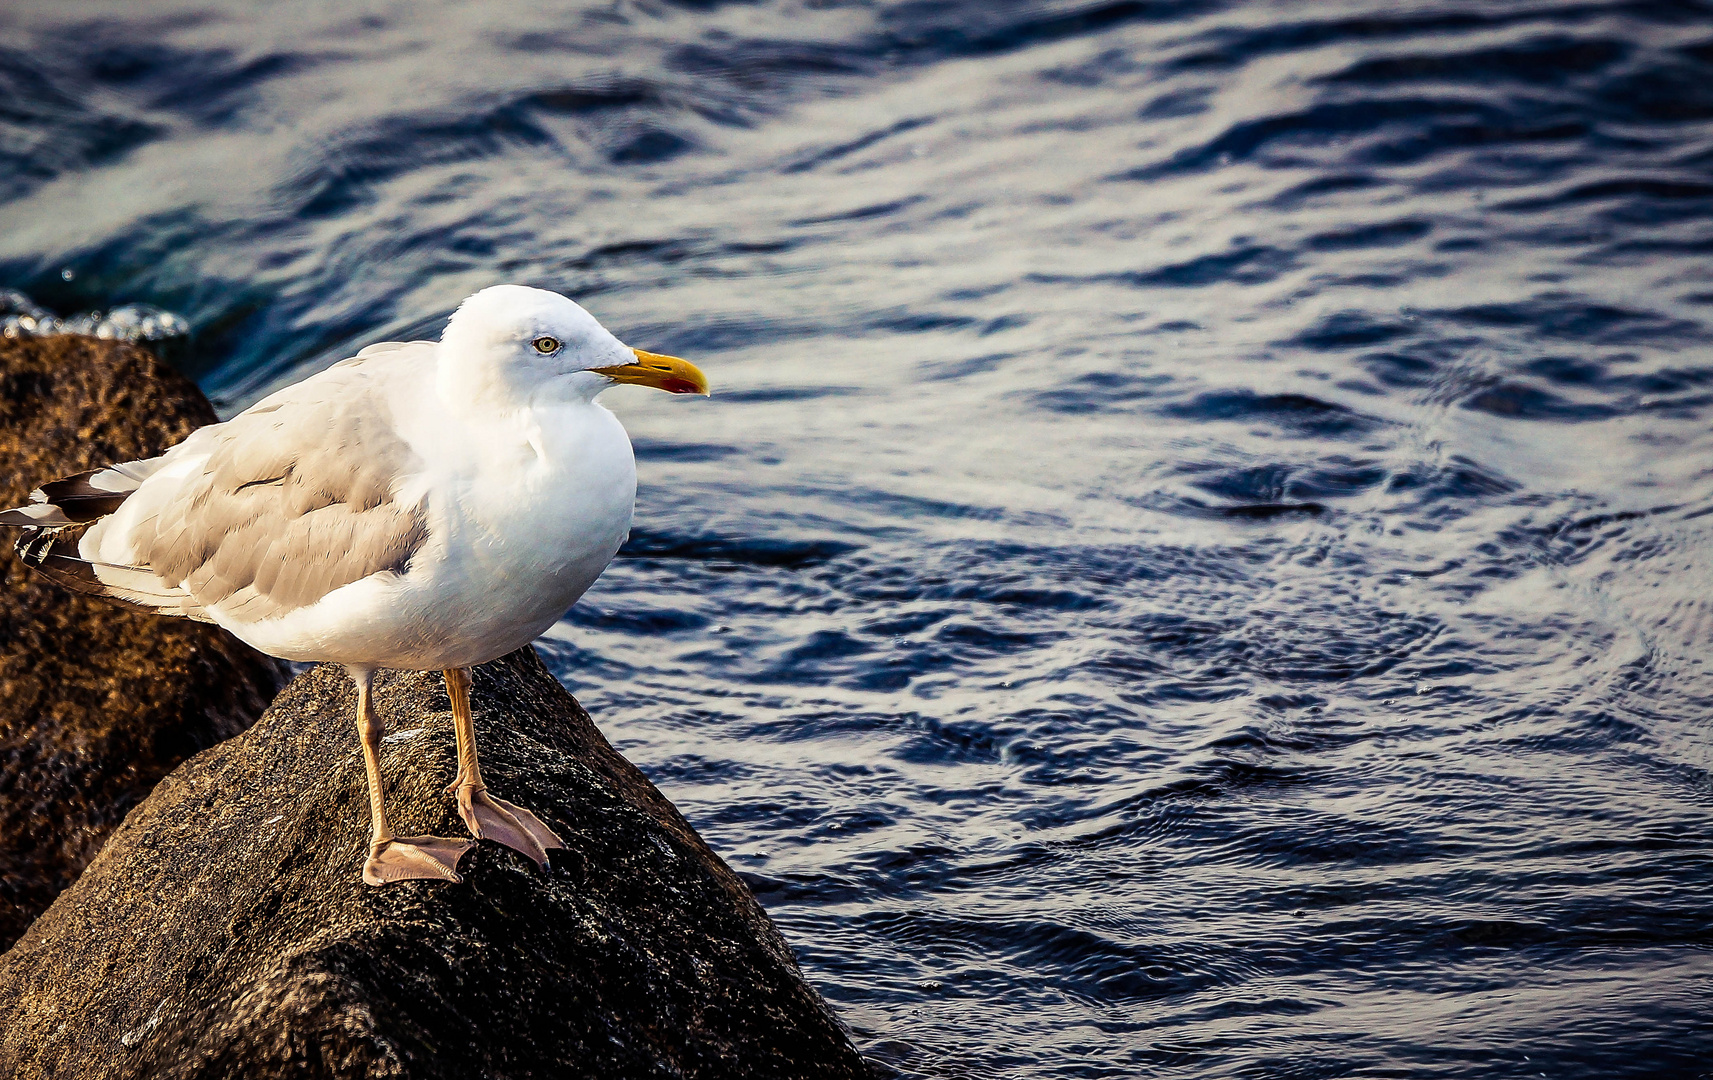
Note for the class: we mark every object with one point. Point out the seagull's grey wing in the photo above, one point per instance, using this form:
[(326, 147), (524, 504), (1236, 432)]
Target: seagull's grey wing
[(258, 516), (296, 498)]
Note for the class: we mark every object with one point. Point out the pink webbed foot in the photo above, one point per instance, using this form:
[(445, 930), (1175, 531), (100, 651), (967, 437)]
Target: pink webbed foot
[(502, 822), (414, 858)]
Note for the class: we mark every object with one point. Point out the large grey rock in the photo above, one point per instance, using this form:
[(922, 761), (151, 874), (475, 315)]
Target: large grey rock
[(96, 703), (224, 932)]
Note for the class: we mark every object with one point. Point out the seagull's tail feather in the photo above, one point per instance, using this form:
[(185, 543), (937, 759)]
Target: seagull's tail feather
[(76, 500), (56, 558), (35, 516)]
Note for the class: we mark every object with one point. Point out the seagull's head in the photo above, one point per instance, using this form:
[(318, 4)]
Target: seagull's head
[(525, 341)]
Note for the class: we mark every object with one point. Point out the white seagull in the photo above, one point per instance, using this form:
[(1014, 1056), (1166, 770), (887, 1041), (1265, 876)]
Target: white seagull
[(423, 505)]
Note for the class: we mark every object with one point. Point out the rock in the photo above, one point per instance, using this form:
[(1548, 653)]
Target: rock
[(97, 703), (224, 930)]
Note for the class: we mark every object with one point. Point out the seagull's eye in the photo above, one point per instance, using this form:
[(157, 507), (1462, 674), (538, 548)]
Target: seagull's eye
[(545, 345)]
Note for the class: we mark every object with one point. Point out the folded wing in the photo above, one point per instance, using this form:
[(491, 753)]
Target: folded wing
[(253, 518)]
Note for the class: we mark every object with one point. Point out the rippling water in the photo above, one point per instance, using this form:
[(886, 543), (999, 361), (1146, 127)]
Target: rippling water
[(1198, 561)]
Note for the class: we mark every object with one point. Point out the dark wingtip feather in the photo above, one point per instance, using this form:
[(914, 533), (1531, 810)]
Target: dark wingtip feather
[(88, 495), (35, 516), (80, 577), (55, 557), (33, 544)]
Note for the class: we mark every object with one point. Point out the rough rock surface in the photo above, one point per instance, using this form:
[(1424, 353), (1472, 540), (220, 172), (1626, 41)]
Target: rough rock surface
[(224, 930), (96, 703)]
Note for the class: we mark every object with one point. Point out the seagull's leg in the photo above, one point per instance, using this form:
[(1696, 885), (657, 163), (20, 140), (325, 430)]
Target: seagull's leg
[(396, 858), (490, 818)]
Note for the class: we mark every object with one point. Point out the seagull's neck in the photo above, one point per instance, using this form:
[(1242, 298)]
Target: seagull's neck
[(476, 391), (472, 389)]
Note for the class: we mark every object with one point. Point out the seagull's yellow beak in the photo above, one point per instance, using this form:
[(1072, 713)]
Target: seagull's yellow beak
[(666, 373)]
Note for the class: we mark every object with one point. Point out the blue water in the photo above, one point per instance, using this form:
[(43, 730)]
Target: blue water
[(1198, 562)]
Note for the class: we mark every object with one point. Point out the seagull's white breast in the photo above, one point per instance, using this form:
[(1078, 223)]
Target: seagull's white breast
[(526, 542)]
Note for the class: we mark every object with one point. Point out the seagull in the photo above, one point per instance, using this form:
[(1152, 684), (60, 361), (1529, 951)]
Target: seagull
[(425, 506)]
